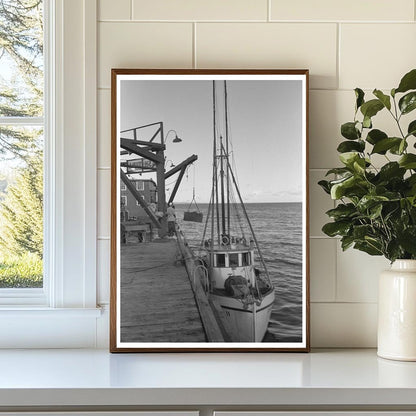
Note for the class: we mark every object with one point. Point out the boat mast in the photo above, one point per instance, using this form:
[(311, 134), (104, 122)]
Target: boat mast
[(226, 155), (224, 231), (215, 171)]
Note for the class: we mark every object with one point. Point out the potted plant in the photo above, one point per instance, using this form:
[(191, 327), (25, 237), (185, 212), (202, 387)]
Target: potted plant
[(376, 209)]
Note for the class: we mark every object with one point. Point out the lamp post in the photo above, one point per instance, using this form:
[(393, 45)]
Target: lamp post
[(175, 140), (160, 178)]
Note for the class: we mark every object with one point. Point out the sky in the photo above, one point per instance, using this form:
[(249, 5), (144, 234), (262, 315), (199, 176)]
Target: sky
[(265, 119)]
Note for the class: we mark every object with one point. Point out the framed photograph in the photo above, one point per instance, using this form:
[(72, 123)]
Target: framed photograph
[(209, 214)]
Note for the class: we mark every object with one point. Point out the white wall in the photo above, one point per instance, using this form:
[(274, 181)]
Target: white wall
[(345, 44)]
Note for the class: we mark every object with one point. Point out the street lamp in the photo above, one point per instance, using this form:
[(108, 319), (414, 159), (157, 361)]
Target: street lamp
[(176, 139), (172, 165)]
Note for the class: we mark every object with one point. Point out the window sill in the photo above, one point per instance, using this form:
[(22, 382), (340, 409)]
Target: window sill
[(40, 327)]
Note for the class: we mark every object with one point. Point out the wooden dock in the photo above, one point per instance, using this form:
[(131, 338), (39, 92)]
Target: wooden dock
[(157, 302)]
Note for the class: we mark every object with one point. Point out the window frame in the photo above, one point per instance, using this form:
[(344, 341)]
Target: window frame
[(27, 321)]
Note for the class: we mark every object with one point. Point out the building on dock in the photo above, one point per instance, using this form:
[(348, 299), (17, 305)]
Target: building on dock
[(130, 208)]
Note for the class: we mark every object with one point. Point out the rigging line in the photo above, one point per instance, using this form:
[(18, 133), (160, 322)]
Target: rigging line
[(214, 173), (251, 227), (227, 155), (207, 220)]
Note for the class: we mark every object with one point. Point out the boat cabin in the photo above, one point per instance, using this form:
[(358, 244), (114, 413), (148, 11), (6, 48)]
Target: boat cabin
[(232, 259)]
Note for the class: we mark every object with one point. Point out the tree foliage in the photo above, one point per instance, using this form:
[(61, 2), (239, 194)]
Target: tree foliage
[(376, 211), (21, 95), (21, 212), (21, 79)]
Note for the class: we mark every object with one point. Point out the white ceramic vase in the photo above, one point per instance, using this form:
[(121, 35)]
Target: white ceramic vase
[(397, 312)]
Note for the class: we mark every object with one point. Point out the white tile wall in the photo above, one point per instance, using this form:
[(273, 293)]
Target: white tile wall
[(104, 128), (323, 269), (142, 45), (387, 52), (345, 44), (200, 10), (271, 45), (341, 10), (114, 10), (104, 202)]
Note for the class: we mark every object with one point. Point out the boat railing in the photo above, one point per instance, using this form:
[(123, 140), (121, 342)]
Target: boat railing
[(205, 280)]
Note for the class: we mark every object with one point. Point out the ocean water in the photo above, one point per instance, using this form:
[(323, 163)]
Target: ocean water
[(278, 228)]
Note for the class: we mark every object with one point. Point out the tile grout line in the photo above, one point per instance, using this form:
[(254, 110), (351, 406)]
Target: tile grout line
[(269, 10), (307, 22), (338, 63), (336, 271), (194, 63)]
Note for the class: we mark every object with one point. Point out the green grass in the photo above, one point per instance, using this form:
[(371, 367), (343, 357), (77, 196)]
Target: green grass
[(24, 271)]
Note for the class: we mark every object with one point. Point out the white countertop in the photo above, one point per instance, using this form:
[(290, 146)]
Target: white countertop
[(96, 377)]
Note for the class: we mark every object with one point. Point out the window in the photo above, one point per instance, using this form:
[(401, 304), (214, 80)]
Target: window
[(22, 128), (68, 316), (246, 259), (140, 185), (220, 260), (123, 187), (123, 200), (233, 259)]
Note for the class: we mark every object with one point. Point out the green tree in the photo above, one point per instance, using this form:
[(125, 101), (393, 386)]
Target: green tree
[(21, 76), (21, 95), (21, 213)]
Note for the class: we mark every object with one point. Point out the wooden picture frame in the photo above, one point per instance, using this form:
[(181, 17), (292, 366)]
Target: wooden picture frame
[(228, 269)]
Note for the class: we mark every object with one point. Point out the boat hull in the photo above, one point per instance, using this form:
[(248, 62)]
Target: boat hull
[(244, 324)]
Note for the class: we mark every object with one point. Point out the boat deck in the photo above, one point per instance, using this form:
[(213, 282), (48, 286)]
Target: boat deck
[(157, 301)]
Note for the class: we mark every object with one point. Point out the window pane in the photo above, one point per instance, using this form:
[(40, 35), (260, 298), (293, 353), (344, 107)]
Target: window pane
[(246, 259), (21, 207), (21, 58), (220, 260), (233, 258)]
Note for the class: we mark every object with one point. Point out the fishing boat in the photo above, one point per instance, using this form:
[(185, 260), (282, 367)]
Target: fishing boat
[(238, 284)]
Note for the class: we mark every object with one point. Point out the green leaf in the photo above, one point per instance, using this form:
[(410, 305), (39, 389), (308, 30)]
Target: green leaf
[(375, 136), (408, 82), (369, 201), (361, 231), (391, 170), (407, 239), (346, 242), (408, 102), (367, 122), (325, 186), (371, 108), (336, 228), (375, 211), (368, 248), (385, 99), (408, 161), (359, 95), (349, 131), (411, 130), (349, 158), (383, 145), (393, 250), (338, 189), (399, 148), (342, 211), (338, 171), (349, 146)]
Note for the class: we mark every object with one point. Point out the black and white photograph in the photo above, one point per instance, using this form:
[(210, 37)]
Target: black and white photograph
[(209, 211)]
